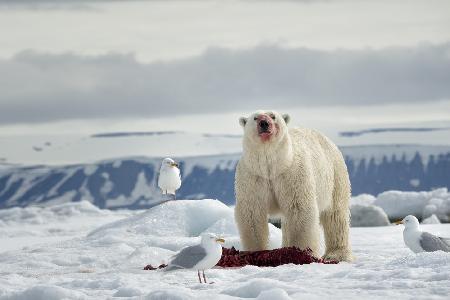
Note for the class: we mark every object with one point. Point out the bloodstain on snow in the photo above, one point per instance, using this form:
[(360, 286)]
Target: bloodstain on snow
[(150, 267), (232, 258)]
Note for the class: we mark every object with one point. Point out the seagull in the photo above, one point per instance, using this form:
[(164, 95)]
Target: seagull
[(419, 241), (169, 177), (199, 257)]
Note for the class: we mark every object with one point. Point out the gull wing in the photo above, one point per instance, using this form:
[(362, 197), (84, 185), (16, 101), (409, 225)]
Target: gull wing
[(445, 240), (430, 243), (187, 258)]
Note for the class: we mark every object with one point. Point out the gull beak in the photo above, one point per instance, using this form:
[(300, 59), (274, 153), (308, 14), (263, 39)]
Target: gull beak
[(220, 241), (174, 164), (398, 222)]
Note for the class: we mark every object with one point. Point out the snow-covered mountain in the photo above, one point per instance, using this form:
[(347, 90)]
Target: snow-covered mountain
[(127, 182), (131, 182)]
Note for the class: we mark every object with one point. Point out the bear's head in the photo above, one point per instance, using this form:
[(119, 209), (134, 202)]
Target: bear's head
[(265, 126)]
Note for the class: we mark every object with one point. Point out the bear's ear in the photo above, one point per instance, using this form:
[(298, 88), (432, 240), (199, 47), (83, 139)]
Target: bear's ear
[(286, 118), (243, 121)]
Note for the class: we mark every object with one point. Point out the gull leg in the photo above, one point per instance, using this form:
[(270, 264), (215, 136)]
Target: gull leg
[(204, 278), (199, 278)]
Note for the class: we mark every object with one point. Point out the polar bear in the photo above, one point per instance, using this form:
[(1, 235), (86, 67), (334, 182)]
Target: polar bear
[(297, 173)]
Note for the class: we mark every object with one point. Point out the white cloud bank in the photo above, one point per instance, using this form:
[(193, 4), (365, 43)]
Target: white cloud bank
[(39, 87)]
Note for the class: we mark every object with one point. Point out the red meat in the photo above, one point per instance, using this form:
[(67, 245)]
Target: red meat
[(232, 258)]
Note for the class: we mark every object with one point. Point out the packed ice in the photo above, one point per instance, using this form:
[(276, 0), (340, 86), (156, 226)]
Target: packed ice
[(83, 252)]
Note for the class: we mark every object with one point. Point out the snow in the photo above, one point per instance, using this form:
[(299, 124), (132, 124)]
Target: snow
[(186, 220), (90, 169), (141, 189), (22, 227), (364, 213), (210, 163), (384, 149), (363, 199), (75, 149), (368, 210), (47, 292), (431, 220), (99, 254), (399, 204), (368, 215)]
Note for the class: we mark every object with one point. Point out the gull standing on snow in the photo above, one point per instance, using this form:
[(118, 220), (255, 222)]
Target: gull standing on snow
[(169, 177), (419, 241), (199, 257)]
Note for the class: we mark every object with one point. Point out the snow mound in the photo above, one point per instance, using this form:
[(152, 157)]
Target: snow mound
[(255, 287), (171, 294), (176, 224), (188, 218), (33, 225), (363, 199), (368, 215), (47, 292), (431, 220), (127, 292), (429, 259), (398, 204), (273, 294), (42, 215)]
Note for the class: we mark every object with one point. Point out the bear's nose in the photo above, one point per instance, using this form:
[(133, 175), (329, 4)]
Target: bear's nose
[(264, 125)]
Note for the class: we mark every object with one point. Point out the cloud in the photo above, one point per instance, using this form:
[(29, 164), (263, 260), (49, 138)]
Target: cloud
[(56, 4), (38, 87), (90, 4)]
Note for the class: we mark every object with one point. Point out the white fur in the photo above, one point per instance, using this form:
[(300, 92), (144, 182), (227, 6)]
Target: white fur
[(300, 174)]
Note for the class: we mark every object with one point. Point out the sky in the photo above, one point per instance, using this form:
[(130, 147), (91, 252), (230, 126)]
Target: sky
[(98, 66)]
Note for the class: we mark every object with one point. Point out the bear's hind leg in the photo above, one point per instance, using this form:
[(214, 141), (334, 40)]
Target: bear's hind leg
[(336, 230), (336, 219), (284, 233)]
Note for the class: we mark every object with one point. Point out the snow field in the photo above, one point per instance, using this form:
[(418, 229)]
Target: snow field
[(368, 210), (421, 204), (104, 259), (20, 227)]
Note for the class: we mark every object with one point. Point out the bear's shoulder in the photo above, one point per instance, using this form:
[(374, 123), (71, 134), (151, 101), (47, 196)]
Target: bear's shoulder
[(309, 137), (305, 132)]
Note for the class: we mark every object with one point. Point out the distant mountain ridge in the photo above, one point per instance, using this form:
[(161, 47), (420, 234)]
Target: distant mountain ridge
[(156, 133), (391, 129), (132, 133), (131, 182)]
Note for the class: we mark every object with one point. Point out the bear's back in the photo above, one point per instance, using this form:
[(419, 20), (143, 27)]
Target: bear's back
[(307, 137), (314, 145), (324, 159)]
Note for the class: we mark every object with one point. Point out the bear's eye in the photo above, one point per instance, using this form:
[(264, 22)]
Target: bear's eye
[(273, 117), (255, 118)]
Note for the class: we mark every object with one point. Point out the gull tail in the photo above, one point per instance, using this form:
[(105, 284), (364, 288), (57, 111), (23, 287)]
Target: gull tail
[(172, 268), (445, 240)]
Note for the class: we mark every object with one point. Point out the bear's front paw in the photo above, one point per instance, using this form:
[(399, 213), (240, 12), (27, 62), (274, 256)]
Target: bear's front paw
[(339, 255)]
